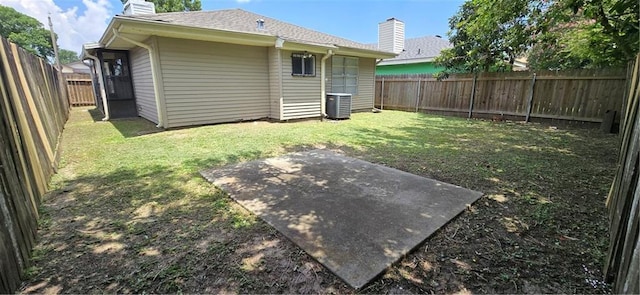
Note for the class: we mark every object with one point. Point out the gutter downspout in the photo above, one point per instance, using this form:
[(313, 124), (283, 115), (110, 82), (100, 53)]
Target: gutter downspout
[(154, 77), (279, 44), (323, 83), (103, 93)]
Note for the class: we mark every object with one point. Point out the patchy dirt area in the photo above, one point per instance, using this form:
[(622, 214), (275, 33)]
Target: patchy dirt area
[(120, 220)]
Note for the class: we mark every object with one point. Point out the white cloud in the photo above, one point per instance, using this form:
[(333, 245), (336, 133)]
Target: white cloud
[(74, 26), (243, 1)]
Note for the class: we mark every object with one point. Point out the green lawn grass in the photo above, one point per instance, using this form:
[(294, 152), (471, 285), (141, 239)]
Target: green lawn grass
[(129, 212)]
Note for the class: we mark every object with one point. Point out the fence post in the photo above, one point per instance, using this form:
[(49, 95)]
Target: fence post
[(625, 97), (382, 95), (418, 95), (473, 94), (530, 99)]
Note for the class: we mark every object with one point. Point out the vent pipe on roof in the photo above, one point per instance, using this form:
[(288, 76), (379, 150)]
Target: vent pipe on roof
[(133, 7), (391, 35), (260, 24)]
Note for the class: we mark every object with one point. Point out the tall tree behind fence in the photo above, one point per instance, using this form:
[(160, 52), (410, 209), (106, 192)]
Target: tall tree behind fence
[(33, 111), (80, 89), (580, 95), (623, 263)]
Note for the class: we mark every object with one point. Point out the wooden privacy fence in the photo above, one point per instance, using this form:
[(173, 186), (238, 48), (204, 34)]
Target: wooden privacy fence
[(80, 89), (580, 95), (33, 111), (623, 263)]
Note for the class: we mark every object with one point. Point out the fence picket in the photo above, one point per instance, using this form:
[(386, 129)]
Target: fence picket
[(80, 89), (583, 95), (33, 110), (621, 266)]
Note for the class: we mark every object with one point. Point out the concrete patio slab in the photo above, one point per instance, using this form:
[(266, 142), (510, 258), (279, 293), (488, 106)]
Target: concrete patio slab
[(355, 217)]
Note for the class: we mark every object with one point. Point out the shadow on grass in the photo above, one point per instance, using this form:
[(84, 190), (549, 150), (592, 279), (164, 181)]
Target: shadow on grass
[(146, 231), (128, 127), (544, 192), (164, 229)]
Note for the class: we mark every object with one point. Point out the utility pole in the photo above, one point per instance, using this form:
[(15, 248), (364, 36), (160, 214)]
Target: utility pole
[(54, 42), (62, 83)]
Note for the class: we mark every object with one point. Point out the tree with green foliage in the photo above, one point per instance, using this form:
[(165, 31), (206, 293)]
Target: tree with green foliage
[(586, 34), (618, 20), (489, 34), (553, 34), (175, 5), (67, 56), (25, 31)]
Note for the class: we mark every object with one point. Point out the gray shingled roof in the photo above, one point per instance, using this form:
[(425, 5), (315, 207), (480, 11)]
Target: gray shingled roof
[(238, 20), (422, 47)]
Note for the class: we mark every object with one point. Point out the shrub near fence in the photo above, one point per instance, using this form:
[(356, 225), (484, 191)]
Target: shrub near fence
[(580, 95), (33, 111)]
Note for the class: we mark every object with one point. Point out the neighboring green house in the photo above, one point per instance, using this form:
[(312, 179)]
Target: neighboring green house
[(415, 56)]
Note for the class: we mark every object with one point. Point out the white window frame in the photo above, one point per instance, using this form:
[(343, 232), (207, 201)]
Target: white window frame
[(305, 72), (346, 71)]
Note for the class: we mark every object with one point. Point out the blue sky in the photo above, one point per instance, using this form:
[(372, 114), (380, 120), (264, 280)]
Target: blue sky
[(80, 21)]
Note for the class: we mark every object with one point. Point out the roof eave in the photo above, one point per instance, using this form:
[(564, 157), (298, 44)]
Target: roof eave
[(406, 61), (297, 45), (364, 52), (147, 27), (89, 48)]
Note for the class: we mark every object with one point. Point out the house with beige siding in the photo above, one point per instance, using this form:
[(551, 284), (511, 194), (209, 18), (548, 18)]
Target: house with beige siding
[(205, 67)]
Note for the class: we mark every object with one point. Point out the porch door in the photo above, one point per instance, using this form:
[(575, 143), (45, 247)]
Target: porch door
[(118, 83)]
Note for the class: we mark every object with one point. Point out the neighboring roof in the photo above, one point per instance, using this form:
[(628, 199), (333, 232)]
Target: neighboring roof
[(422, 49), (521, 64), (77, 67), (244, 22)]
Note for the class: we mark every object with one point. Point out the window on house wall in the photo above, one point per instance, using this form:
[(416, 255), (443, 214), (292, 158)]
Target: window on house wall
[(344, 74), (303, 64)]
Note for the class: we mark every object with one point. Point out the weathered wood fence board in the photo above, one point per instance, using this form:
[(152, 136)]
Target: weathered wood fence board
[(80, 89), (33, 110), (623, 263), (579, 95)]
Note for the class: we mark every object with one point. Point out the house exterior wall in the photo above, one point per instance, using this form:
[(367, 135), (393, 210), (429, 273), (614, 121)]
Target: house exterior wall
[(210, 82), (366, 85), (301, 95), (363, 100), (275, 78), (415, 68), (143, 84)]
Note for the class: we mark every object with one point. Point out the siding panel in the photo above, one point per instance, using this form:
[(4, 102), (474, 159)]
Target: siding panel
[(143, 84), (274, 82), (210, 82), (366, 81), (301, 94)]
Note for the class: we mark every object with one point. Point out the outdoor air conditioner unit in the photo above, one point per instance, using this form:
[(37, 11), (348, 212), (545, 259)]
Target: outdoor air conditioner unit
[(338, 105)]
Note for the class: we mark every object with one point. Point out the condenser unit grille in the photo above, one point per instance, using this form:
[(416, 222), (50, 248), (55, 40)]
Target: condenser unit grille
[(338, 105)]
